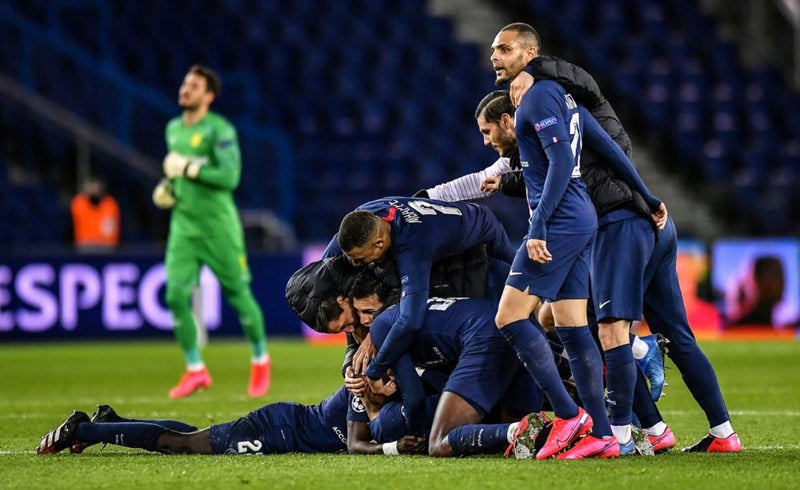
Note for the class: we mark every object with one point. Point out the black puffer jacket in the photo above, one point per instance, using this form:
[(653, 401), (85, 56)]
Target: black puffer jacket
[(607, 191)]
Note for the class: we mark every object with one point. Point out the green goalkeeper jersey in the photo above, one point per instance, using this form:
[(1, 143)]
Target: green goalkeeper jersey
[(205, 206)]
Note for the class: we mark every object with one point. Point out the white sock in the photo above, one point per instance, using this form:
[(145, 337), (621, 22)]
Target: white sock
[(656, 430), (622, 433), (511, 429), (639, 348), (722, 430), (196, 366), (262, 359)]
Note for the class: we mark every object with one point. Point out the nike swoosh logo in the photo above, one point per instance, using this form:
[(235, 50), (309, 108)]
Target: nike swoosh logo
[(604, 303), (512, 273)]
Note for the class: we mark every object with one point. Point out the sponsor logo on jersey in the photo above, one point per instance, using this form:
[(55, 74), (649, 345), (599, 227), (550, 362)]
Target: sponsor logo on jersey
[(545, 123), (197, 138), (523, 163), (224, 143)]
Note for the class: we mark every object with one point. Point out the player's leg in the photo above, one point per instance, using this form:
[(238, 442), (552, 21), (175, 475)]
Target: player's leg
[(621, 251), (183, 272), (532, 348), (228, 261), (486, 368), (666, 314)]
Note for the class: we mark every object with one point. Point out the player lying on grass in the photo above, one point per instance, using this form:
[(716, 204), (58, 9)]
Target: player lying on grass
[(276, 428)]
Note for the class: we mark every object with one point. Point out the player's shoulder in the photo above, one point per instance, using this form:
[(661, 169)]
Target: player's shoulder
[(220, 122), (175, 122), (547, 87)]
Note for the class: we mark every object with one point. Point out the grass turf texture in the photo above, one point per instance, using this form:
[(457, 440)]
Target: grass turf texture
[(42, 383)]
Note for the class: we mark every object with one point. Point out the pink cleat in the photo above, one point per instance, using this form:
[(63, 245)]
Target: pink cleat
[(592, 447), (260, 378), (191, 382), (565, 431)]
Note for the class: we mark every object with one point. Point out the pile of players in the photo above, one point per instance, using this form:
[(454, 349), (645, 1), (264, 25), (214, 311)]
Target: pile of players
[(460, 344)]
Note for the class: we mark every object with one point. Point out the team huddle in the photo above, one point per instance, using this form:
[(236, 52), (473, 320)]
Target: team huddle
[(460, 344)]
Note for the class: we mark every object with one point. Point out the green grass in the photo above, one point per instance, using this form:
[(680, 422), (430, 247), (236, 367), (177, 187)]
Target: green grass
[(40, 384)]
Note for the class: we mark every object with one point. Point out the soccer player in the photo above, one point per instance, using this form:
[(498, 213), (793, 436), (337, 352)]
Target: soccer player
[(657, 276), (414, 233), (203, 168), (495, 119), (277, 428)]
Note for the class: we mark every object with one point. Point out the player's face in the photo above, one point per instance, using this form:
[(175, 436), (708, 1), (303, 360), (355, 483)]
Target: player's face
[(346, 322), (367, 308), (509, 56), (367, 254), (194, 93), (500, 135)]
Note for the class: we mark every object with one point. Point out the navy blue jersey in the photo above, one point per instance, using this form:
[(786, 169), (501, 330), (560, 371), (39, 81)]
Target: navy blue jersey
[(548, 129), (422, 231), (287, 427), (456, 334), (392, 421)]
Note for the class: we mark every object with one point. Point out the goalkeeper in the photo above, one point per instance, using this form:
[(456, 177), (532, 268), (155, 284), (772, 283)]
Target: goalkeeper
[(202, 168)]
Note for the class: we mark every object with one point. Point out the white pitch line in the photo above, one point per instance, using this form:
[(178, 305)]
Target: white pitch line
[(747, 413)]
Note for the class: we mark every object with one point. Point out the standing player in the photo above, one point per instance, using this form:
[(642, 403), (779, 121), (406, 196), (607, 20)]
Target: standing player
[(204, 167), (549, 127), (663, 306)]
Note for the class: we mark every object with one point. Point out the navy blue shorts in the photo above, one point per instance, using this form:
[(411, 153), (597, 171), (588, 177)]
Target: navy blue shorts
[(242, 436), (565, 277), (620, 254), (486, 367)]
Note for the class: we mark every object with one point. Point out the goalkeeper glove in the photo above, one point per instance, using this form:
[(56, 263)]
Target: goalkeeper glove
[(177, 165), (164, 195)]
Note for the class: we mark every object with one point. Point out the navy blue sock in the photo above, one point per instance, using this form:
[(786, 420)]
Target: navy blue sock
[(620, 383), (478, 439), (534, 351), (175, 425), (587, 370), (142, 435), (644, 408), (699, 376)]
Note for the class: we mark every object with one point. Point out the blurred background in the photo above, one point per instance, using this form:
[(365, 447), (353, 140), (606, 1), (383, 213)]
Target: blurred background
[(338, 103)]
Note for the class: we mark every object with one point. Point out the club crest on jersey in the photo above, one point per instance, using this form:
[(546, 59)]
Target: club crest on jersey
[(544, 123), (197, 138)]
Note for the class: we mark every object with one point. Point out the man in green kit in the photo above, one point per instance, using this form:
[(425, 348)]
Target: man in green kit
[(202, 169)]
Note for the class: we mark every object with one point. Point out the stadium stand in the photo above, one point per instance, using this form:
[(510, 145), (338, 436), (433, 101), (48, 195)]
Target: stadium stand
[(341, 102)]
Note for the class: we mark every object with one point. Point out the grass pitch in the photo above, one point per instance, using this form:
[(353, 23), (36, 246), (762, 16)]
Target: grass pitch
[(40, 384)]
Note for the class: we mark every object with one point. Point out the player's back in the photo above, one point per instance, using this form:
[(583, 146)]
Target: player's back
[(448, 325), (437, 229)]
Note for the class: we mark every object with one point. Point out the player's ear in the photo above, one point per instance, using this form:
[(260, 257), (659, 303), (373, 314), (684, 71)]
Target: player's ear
[(506, 120)]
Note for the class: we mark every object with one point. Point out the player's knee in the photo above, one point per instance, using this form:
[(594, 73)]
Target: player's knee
[(177, 299)]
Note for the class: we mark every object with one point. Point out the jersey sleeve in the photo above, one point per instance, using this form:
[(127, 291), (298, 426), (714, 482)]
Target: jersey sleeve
[(597, 140), (545, 111), (225, 152), (468, 186)]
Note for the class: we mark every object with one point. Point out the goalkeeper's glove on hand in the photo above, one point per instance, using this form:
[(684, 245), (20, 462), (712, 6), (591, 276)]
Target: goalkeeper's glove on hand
[(163, 194), (177, 165)]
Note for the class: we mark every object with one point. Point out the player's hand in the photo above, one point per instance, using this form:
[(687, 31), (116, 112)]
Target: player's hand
[(537, 251), (412, 444), (519, 87), (660, 216), (490, 185), (364, 354), (355, 384), (177, 165), (381, 387), (163, 194)]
